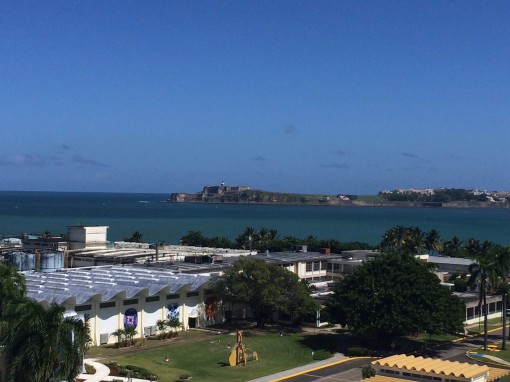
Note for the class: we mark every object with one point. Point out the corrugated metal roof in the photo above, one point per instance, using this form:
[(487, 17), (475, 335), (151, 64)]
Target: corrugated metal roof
[(433, 365), (495, 373), (80, 285)]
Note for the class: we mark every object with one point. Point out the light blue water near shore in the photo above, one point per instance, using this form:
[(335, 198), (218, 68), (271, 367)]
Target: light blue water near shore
[(36, 212)]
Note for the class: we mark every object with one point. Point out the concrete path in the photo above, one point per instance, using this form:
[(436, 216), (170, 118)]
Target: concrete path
[(103, 373), (497, 360)]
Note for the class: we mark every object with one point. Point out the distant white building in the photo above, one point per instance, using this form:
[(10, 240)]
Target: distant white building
[(91, 237)]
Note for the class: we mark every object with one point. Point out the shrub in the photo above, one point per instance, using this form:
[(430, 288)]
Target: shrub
[(367, 371), (319, 355), (132, 371), (89, 369)]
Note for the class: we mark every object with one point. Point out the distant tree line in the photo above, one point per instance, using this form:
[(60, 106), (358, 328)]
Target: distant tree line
[(439, 196), (265, 239)]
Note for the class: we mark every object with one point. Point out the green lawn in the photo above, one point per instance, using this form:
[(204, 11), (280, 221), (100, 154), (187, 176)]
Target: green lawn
[(205, 358)]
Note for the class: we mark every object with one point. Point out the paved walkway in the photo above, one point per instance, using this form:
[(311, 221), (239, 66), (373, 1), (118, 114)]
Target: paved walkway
[(103, 373), (497, 360)]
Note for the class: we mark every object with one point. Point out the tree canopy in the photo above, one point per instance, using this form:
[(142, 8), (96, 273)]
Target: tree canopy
[(395, 295), (266, 288)]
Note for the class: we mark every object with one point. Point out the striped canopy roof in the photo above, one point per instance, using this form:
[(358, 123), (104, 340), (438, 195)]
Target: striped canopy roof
[(433, 366)]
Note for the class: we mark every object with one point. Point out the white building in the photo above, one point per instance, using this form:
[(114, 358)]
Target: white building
[(116, 297), (92, 237)]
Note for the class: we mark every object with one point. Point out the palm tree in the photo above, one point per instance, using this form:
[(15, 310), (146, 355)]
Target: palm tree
[(408, 240), (121, 335), (246, 238), (162, 325), (131, 332), (42, 343), (453, 247), (484, 274), (503, 261), (12, 285), (173, 324), (433, 241)]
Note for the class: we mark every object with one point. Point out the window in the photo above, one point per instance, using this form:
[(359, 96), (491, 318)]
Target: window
[(192, 294), (173, 296), (132, 301), (151, 299), (81, 308), (309, 267), (110, 304), (317, 266)]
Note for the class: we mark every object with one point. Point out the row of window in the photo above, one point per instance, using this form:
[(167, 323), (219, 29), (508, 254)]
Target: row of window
[(492, 307), (313, 266), (406, 374), (134, 301)]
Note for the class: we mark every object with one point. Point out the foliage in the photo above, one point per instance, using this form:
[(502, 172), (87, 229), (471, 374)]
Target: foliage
[(167, 328), (196, 239), (12, 286), (488, 273), (367, 371), (89, 369), (395, 295), (42, 343), (136, 237), (408, 240), (321, 355), (268, 239), (133, 371), (439, 196), (266, 288)]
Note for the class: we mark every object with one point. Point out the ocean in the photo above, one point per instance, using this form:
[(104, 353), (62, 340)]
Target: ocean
[(158, 221)]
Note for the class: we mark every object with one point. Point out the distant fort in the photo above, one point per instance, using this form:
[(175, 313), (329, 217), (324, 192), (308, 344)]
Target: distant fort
[(215, 194)]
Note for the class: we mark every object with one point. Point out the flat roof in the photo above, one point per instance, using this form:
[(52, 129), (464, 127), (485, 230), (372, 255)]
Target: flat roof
[(433, 365), (80, 285)]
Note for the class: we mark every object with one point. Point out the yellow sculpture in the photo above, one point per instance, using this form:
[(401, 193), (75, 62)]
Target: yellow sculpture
[(239, 355)]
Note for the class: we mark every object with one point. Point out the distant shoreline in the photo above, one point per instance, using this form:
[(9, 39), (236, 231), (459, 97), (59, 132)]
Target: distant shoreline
[(357, 203)]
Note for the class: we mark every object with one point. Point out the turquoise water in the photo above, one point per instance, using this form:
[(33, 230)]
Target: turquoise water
[(36, 212)]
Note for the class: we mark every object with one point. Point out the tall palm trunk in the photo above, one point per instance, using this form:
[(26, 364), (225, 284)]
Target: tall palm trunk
[(485, 321), (503, 305)]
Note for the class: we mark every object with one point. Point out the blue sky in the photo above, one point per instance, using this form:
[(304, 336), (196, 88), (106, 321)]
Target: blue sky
[(293, 96)]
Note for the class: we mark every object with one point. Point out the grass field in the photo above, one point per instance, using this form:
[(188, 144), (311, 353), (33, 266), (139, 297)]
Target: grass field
[(205, 357)]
